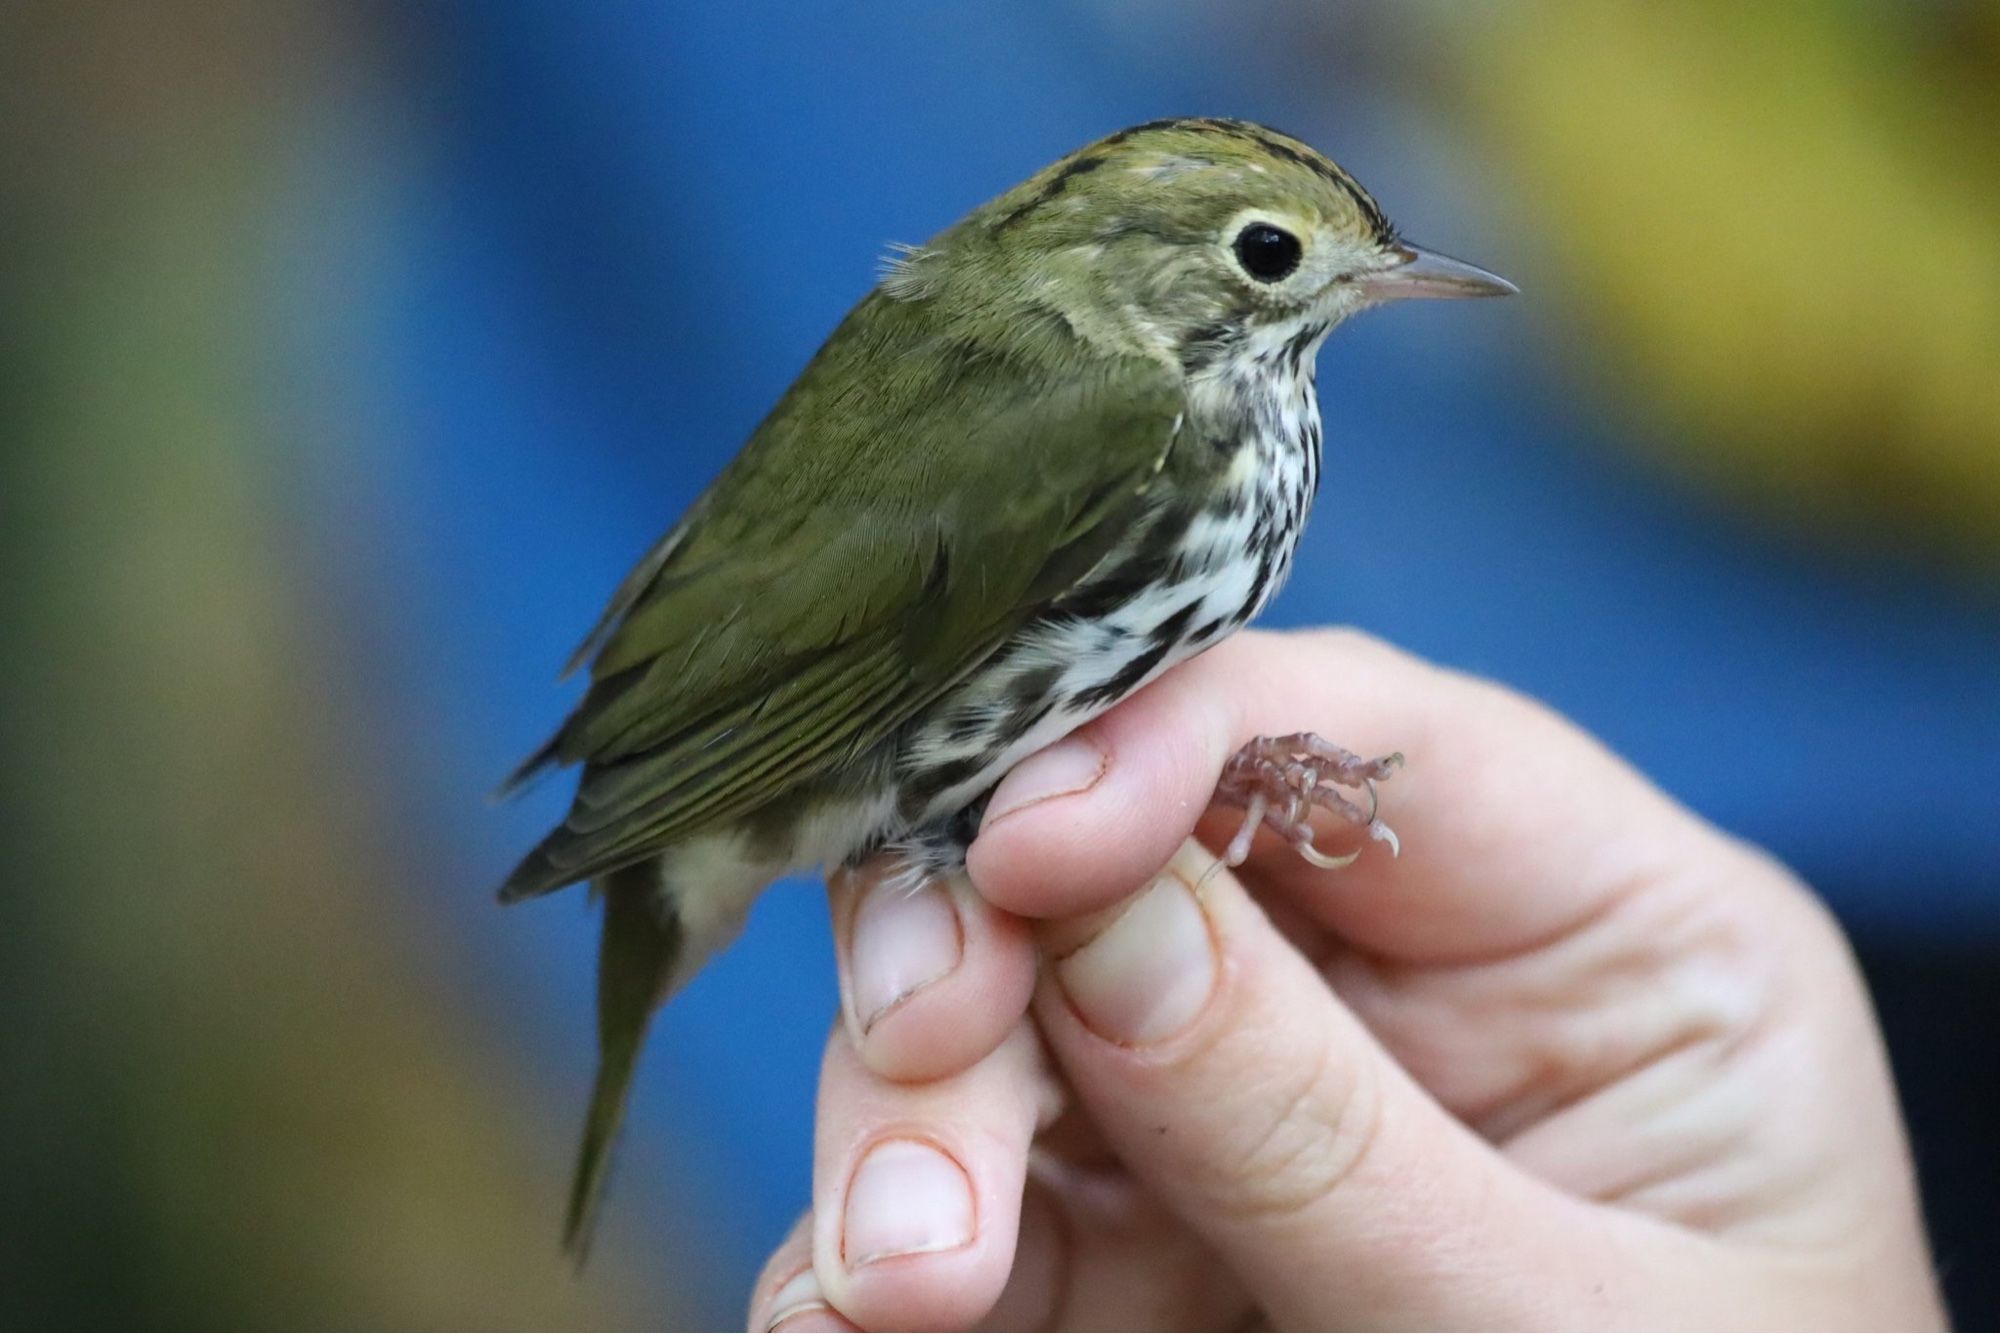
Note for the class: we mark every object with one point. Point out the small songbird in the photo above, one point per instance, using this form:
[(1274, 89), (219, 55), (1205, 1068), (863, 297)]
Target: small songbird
[(1064, 445)]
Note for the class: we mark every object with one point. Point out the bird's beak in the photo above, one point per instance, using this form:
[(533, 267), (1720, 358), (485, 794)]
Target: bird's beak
[(1416, 272)]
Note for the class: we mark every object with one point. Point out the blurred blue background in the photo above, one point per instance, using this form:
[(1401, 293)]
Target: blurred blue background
[(358, 352)]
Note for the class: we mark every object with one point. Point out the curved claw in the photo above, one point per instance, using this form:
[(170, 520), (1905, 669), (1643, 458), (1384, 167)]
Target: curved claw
[(1312, 854), (1278, 781)]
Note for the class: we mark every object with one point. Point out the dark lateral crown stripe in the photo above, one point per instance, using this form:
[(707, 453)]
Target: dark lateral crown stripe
[(1084, 161), (1289, 148)]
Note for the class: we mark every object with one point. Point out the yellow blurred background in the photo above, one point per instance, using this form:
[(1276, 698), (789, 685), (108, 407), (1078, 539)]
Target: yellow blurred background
[(1780, 227)]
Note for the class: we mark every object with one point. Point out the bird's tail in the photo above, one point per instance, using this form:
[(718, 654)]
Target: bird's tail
[(635, 969)]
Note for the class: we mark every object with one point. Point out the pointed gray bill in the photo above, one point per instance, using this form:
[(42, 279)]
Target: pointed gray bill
[(1425, 273)]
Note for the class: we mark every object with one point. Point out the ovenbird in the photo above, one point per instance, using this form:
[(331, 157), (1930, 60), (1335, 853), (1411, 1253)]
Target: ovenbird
[(1062, 446)]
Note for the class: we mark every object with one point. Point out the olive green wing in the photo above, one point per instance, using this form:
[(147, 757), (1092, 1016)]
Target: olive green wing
[(839, 577)]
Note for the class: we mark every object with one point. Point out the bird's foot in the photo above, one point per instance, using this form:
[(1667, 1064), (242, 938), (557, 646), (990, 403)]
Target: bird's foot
[(1280, 780)]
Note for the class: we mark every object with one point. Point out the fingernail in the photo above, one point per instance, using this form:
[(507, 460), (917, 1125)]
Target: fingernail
[(903, 940), (906, 1198), (1073, 764), (1146, 975), (799, 1305)]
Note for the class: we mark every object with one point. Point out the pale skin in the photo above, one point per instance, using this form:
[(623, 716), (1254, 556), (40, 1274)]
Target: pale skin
[(1575, 1059)]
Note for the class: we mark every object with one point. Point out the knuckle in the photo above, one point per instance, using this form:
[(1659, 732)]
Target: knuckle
[(1764, 928), (1296, 1142), (1718, 973)]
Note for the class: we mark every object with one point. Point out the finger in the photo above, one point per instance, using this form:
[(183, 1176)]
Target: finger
[(1095, 1251), (787, 1296), (1514, 824), (1098, 1252), (917, 1187), (1231, 1081), (932, 976)]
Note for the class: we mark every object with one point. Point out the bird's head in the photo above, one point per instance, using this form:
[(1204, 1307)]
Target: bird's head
[(1183, 237)]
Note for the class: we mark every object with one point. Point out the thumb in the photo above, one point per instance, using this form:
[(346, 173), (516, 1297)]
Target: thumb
[(1229, 1077)]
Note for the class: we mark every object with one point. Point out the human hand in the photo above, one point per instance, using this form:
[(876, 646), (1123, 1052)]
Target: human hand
[(1576, 1059)]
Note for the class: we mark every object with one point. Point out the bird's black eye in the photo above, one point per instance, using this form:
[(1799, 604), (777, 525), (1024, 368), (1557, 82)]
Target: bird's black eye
[(1266, 253)]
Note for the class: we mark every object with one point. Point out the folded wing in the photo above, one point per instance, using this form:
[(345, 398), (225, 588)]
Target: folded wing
[(912, 501)]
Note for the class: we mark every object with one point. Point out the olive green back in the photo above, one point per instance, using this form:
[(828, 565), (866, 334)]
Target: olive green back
[(921, 491)]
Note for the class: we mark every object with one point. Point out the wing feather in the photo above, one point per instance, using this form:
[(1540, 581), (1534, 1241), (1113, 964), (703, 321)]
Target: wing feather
[(904, 509)]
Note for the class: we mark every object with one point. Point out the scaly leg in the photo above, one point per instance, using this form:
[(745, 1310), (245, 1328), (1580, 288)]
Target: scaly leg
[(1279, 780)]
